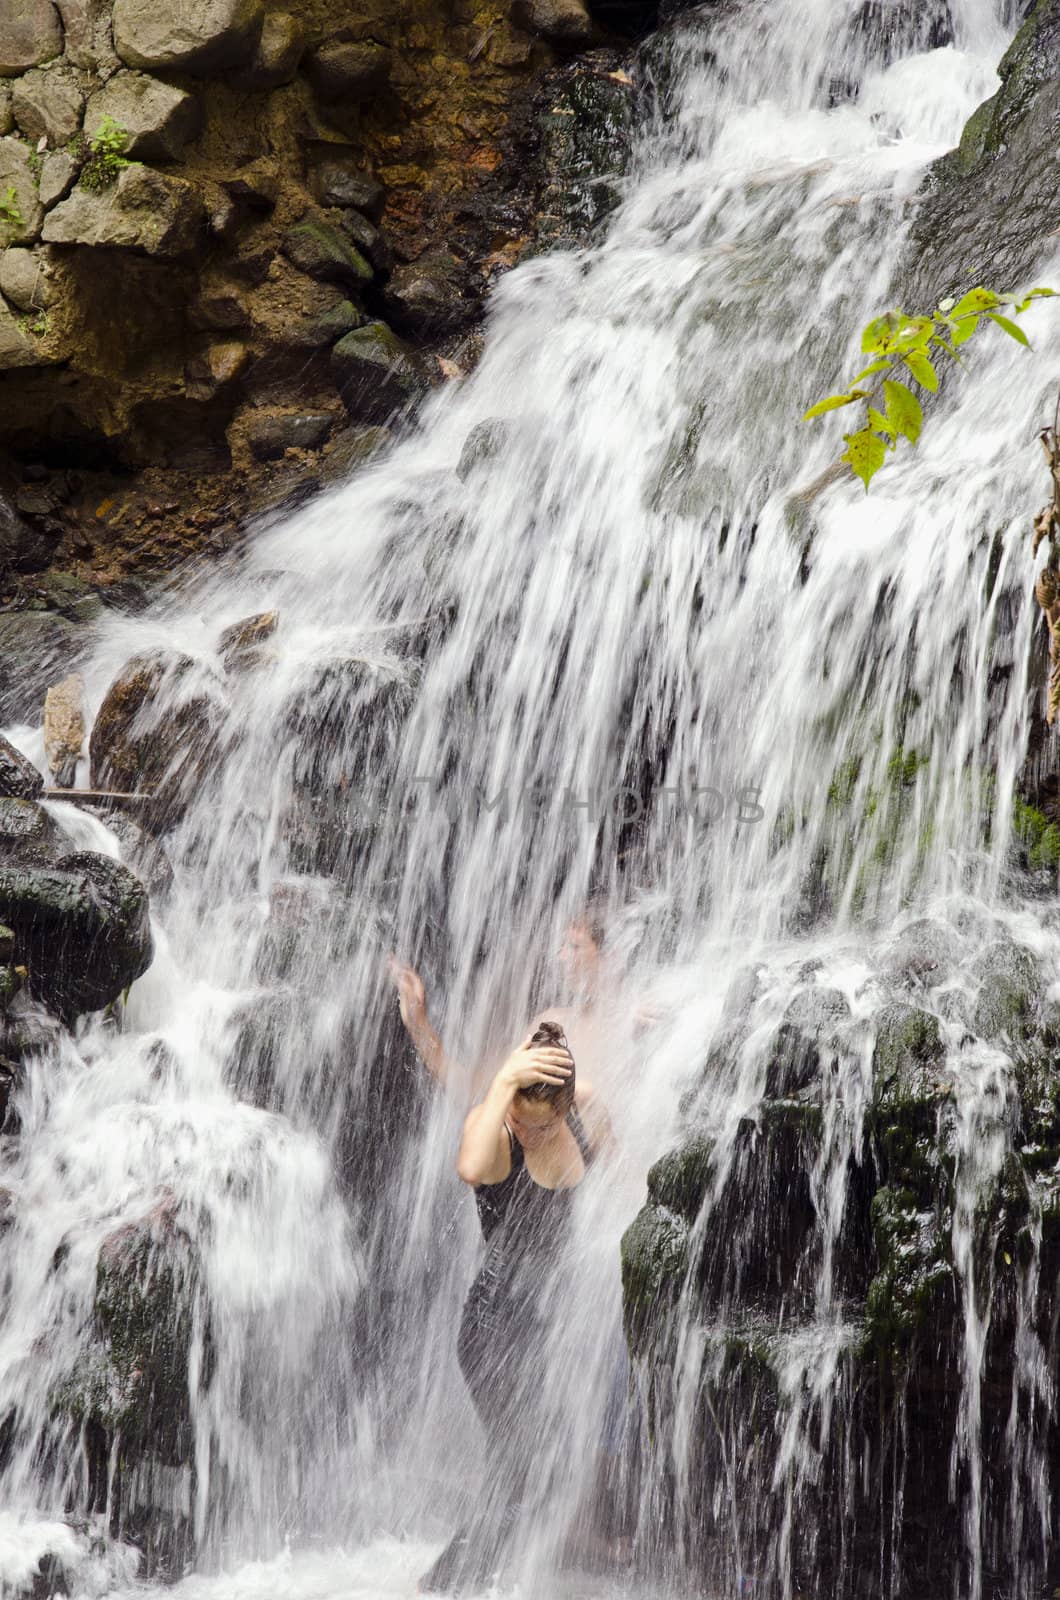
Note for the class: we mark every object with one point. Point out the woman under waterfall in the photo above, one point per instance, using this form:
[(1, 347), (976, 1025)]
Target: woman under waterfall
[(525, 1148)]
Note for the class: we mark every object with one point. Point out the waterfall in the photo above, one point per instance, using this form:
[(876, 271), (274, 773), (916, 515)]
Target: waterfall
[(580, 630)]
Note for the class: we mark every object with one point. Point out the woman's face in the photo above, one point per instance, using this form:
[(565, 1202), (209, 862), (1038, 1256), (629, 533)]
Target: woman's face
[(534, 1122)]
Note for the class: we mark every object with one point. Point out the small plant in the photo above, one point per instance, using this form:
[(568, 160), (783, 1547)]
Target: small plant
[(39, 324), (10, 210), (895, 341), (104, 159)]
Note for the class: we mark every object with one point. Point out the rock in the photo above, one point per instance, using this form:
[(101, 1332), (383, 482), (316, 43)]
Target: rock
[(23, 211), (19, 778), (240, 643), (561, 21), (29, 837), (70, 595), (16, 350), (810, 1026), (921, 955), (88, 33), (906, 1060), (1010, 991), (339, 181), (25, 275), (36, 648), (986, 207), (23, 547), (319, 251), (29, 34), (256, 187), (655, 1253), (376, 373), (64, 728), (350, 72), (81, 928), (159, 118), (427, 297), (200, 37), (149, 737), (145, 210), (48, 105), (484, 443), (315, 333), (7, 116), (278, 54), (57, 178), (141, 851), (270, 433), (219, 311), (681, 1180), (368, 239), (219, 364)]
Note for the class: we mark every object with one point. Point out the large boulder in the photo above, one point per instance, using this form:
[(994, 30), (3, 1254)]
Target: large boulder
[(23, 211), (16, 350), (199, 36), (29, 33), (81, 929), (89, 42), (154, 735), (158, 117), (429, 296), (145, 210), (48, 104), (376, 373), (26, 275), (36, 648)]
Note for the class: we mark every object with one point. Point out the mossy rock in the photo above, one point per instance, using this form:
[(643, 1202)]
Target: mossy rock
[(914, 1282), (906, 1059), (1009, 996), (320, 251), (655, 1258), (680, 1180)]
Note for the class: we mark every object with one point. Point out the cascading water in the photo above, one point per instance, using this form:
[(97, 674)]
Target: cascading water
[(583, 609)]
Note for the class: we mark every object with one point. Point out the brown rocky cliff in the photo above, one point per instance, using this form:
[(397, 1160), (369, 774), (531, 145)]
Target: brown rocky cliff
[(235, 246)]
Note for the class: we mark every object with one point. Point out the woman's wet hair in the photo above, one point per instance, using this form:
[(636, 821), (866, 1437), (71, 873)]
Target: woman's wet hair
[(559, 1095)]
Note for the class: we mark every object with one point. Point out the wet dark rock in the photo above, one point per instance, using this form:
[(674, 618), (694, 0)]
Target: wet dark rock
[(1009, 994), (326, 328), (270, 433), (37, 648), (19, 778), (81, 928), (141, 852), (585, 119), (376, 373), (922, 955), (680, 1180), (987, 208), (368, 239), (240, 644), (29, 837), (906, 1059), (655, 1253), (428, 296), (24, 546), (809, 1029), (486, 441), (153, 737)]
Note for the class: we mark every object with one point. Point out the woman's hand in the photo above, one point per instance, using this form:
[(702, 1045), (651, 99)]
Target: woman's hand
[(412, 997), (535, 1063)]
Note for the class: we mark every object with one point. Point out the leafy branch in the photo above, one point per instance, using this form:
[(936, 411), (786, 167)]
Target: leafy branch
[(895, 342)]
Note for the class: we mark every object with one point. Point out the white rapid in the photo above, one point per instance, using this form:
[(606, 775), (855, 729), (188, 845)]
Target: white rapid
[(479, 681)]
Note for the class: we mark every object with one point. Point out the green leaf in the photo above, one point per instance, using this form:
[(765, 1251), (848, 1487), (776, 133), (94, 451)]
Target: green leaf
[(922, 370), (1013, 329), (865, 453), (880, 423), (904, 411), (833, 403), (945, 344), (975, 301), (877, 334), (964, 328), (877, 366)]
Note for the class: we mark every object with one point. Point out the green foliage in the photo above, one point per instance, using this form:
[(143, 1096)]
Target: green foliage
[(895, 342), (38, 323), (104, 159), (1039, 837), (10, 210)]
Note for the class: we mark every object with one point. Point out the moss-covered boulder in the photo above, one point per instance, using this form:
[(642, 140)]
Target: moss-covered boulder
[(655, 1256), (376, 373), (81, 929), (1010, 988)]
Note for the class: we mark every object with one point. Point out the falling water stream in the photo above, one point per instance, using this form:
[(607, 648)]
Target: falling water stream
[(613, 591)]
